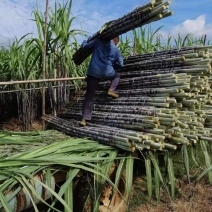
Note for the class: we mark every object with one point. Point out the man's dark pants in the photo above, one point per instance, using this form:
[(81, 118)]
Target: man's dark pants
[(92, 85)]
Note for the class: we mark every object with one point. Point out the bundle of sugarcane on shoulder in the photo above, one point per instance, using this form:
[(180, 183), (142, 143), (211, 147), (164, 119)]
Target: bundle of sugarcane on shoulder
[(150, 12)]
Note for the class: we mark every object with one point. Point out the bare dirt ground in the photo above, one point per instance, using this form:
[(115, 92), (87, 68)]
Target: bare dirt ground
[(194, 198), (15, 125)]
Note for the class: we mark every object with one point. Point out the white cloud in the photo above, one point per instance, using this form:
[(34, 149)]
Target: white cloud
[(16, 15), (14, 20), (197, 28)]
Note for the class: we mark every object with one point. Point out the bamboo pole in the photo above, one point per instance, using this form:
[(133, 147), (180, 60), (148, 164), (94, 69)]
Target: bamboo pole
[(55, 93), (37, 88), (44, 64), (41, 80)]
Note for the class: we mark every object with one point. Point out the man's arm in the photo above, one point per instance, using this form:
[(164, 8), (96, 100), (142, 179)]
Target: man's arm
[(89, 45), (119, 61)]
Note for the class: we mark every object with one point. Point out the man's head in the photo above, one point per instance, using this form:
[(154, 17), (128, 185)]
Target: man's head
[(116, 40)]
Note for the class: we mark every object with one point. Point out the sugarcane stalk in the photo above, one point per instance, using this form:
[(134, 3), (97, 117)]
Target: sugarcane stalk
[(148, 142), (170, 146), (157, 146), (102, 137), (179, 140), (142, 146)]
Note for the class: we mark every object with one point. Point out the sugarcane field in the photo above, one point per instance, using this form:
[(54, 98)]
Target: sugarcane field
[(147, 148)]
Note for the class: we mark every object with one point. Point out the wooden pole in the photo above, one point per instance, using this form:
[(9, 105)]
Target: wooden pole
[(134, 44), (33, 89), (41, 80), (55, 93), (44, 64)]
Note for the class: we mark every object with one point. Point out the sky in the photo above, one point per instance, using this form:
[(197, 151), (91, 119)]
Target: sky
[(190, 16)]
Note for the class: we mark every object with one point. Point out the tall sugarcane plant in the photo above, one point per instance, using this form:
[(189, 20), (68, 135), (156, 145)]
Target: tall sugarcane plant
[(145, 39), (23, 61)]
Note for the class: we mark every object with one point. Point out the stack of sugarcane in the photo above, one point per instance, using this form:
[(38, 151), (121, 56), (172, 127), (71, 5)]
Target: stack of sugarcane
[(158, 108), (128, 140), (150, 12)]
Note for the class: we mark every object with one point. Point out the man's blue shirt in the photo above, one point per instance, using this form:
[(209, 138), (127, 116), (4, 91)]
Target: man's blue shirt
[(105, 56)]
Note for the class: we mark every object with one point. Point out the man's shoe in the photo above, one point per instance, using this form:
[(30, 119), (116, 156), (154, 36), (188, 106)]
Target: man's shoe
[(83, 123), (112, 94)]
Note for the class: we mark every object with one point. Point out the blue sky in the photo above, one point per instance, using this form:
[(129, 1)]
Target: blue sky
[(190, 16)]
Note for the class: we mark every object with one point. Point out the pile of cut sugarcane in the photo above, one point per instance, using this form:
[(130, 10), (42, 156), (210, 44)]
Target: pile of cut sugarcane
[(150, 12), (165, 101)]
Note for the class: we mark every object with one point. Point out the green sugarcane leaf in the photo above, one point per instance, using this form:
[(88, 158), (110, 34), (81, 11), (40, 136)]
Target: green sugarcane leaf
[(149, 177), (186, 161), (120, 170), (129, 175), (207, 158), (106, 165), (4, 203), (156, 166), (157, 184), (69, 188), (171, 174)]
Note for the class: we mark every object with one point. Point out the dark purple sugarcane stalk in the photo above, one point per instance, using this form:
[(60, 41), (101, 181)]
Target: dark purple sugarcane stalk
[(71, 128), (160, 54), (166, 53), (148, 111), (129, 118), (151, 72)]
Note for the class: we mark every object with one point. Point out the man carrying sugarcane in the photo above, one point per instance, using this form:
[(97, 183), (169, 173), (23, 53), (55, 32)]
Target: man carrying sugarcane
[(105, 59)]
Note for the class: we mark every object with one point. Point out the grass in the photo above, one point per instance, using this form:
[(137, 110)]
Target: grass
[(196, 197), (189, 193)]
